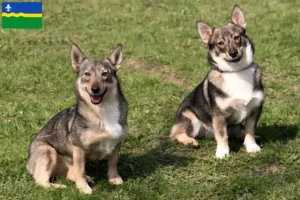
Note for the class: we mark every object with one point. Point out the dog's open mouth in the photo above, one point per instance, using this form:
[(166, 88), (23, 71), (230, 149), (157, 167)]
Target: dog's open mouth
[(97, 98)]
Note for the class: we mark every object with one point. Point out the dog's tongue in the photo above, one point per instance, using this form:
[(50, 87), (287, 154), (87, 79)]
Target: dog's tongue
[(96, 98)]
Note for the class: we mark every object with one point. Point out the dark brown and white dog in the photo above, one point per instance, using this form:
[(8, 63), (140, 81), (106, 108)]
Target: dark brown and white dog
[(231, 93)]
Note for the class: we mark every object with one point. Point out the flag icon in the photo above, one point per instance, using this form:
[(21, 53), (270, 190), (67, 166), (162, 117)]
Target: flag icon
[(22, 15)]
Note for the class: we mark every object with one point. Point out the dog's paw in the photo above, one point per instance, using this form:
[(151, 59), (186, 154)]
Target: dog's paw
[(190, 142), (57, 186), (252, 148), (116, 180), (86, 189), (222, 151)]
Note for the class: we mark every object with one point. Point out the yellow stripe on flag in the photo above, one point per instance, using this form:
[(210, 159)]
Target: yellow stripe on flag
[(20, 15)]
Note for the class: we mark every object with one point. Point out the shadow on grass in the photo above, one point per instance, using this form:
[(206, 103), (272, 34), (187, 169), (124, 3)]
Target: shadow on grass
[(272, 133), (267, 133), (132, 166)]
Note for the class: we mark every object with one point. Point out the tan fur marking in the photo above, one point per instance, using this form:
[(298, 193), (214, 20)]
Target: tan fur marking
[(186, 140), (195, 123), (216, 79), (219, 126), (178, 133), (190, 115), (177, 129)]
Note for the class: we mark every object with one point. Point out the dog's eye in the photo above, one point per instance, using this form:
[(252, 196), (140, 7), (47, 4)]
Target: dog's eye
[(236, 38), (105, 74), (87, 73), (221, 43)]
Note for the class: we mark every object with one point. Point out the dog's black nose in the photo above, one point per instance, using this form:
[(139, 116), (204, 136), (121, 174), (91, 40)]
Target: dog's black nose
[(233, 53), (95, 89)]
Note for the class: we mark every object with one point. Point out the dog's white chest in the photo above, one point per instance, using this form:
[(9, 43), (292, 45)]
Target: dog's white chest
[(239, 85), (101, 144), (111, 116)]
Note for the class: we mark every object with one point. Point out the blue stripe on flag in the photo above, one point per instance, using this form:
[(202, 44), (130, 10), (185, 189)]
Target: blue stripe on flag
[(25, 7)]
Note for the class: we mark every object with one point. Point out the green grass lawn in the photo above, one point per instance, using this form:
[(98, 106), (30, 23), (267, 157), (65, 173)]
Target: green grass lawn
[(164, 59)]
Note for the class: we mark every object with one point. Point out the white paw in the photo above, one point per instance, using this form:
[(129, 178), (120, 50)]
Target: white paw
[(86, 189), (222, 151), (252, 148), (116, 181)]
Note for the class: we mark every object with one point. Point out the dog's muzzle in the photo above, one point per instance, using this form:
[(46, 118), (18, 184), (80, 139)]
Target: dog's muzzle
[(96, 98)]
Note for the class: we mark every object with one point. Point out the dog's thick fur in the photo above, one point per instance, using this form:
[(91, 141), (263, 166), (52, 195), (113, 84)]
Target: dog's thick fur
[(231, 93), (92, 129)]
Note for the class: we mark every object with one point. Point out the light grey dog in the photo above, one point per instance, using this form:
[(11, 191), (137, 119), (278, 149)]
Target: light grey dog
[(92, 129)]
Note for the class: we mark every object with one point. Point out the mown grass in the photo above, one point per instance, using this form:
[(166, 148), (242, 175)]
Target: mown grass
[(164, 59)]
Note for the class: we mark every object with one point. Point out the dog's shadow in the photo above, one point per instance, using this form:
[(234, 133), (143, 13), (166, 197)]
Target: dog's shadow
[(269, 133), (273, 133), (136, 165)]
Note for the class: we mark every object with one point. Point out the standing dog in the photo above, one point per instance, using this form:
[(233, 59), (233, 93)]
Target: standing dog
[(231, 93), (90, 130)]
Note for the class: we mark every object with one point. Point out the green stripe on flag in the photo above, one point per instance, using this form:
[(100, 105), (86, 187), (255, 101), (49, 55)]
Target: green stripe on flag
[(22, 22)]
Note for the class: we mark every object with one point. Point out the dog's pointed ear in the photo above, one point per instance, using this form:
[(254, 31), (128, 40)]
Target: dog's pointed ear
[(77, 57), (237, 17), (115, 57), (205, 31)]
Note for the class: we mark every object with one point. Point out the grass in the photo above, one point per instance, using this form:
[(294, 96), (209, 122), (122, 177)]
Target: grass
[(164, 59)]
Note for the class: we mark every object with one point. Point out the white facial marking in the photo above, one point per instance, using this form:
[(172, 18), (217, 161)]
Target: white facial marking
[(223, 65)]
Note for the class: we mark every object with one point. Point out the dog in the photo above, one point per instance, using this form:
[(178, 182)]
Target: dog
[(231, 94), (92, 129)]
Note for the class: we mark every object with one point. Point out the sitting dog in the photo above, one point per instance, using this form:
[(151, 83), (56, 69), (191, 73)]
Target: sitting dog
[(231, 93), (92, 129)]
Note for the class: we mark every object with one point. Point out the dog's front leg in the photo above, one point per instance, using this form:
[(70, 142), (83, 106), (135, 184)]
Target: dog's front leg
[(250, 125), (79, 171), (113, 175), (220, 132)]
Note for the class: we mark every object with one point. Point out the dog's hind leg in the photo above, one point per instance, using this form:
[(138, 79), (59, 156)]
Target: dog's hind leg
[(187, 129), (42, 162), (178, 133)]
